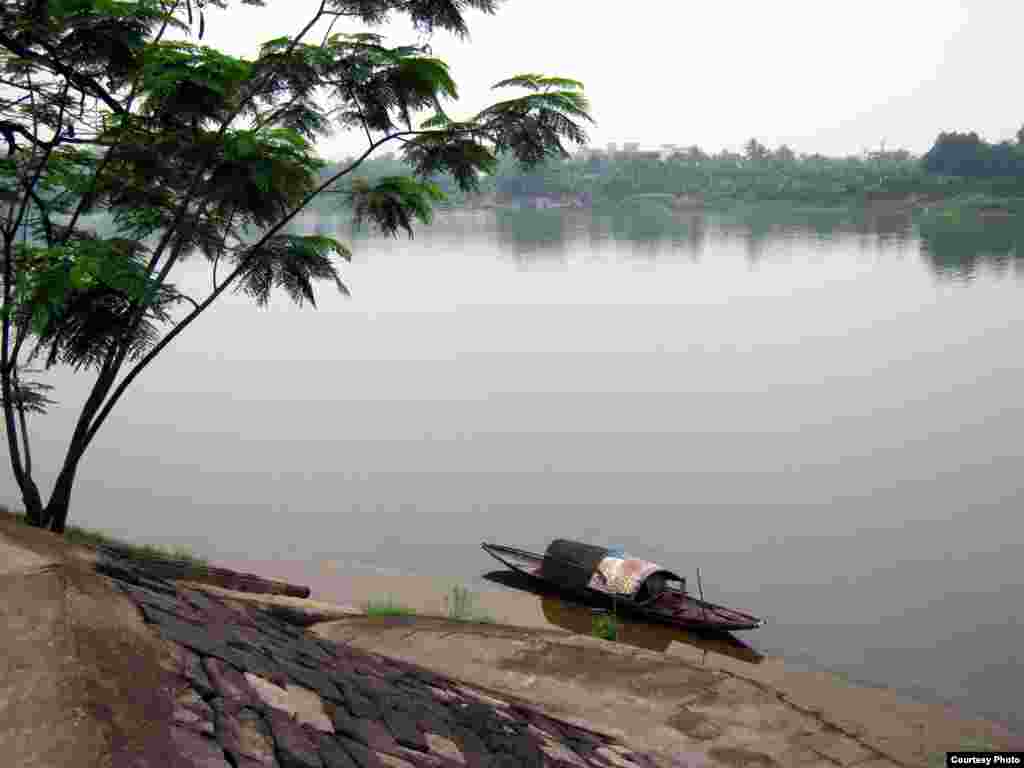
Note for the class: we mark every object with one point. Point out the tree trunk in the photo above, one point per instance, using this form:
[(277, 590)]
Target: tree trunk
[(33, 502), (56, 515)]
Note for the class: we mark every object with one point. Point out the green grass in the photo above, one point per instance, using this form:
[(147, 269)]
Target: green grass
[(386, 608), (89, 537), (460, 606), (605, 626)]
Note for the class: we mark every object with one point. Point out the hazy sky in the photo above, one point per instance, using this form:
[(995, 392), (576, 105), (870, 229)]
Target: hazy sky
[(823, 77)]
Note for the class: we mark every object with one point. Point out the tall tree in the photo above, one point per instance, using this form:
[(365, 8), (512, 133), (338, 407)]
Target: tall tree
[(755, 150), (190, 150)]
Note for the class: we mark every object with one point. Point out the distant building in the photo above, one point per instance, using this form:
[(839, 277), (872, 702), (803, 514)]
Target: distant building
[(630, 148)]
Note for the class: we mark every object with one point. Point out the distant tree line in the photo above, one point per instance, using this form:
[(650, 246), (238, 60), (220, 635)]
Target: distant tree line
[(967, 155), (957, 163)]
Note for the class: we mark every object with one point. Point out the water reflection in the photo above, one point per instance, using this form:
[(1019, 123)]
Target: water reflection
[(958, 245), (951, 244), (578, 618)]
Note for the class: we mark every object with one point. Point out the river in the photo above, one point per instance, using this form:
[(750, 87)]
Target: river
[(823, 413)]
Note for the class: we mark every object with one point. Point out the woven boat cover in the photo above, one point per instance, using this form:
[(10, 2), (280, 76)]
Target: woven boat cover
[(623, 576), (571, 564)]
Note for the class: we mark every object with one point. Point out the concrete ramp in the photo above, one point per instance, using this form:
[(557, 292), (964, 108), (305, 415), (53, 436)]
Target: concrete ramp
[(728, 712)]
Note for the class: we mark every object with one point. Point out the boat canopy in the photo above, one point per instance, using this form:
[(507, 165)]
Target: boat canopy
[(571, 564), (574, 565)]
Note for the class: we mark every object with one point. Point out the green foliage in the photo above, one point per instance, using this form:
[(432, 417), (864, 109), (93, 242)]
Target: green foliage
[(183, 82), (966, 155), (392, 202), (292, 263), (78, 299), (175, 148)]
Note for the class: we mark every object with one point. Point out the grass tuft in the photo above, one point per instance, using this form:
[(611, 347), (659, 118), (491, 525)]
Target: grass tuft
[(605, 626), (386, 608), (460, 606), (89, 537)]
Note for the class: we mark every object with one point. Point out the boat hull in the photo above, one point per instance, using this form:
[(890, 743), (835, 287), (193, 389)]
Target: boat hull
[(672, 608)]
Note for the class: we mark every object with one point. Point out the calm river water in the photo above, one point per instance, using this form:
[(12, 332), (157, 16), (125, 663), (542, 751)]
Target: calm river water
[(824, 415)]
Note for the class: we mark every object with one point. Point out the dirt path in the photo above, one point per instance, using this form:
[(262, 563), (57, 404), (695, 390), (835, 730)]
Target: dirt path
[(79, 673)]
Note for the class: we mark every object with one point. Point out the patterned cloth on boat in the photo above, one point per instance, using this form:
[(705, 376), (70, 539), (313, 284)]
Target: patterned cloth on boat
[(622, 575)]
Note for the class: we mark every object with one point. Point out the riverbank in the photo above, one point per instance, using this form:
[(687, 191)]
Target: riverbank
[(718, 706), (754, 699), (106, 664), (916, 204)]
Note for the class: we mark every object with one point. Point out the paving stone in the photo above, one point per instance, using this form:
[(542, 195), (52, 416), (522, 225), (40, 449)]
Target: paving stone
[(360, 754), (156, 585), (318, 681), (561, 755), (295, 748), (472, 747), (229, 682), (424, 759), (196, 750), (243, 733), (521, 746), (356, 702), (393, 761), (479, 718), (403, 727), (201, 600), (169, 603), (375, 687), (407, 699), (277, 694), (445, 747), (189, 666), (252, 661), (312, 661), (202, 639), (372, 733), (247, 637), (510, 761), (331, 649), (217, 612), (435, 722), (313, 649), (301, 703), (192, 712), (579, 735), (333, 754), (441, 693)]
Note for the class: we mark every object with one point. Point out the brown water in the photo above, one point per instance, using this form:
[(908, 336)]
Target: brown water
[(823, 415)]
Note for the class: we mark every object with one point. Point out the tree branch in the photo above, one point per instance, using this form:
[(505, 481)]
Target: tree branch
[(112, 147), (191, 316), (84, 82)]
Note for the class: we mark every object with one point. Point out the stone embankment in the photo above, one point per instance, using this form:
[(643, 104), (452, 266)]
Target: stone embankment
[(254, 691)]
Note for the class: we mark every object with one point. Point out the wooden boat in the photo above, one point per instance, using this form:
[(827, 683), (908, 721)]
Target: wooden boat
[(633, 586)]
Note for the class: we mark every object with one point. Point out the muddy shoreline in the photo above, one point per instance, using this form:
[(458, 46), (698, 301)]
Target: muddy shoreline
[(883, 721)]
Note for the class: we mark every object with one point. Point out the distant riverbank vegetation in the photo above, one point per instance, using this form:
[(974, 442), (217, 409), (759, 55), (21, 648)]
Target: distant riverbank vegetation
[(960, 180), (961, 169)]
